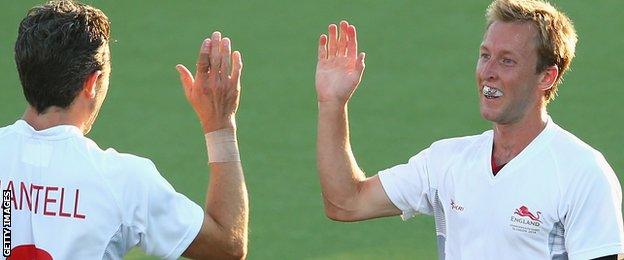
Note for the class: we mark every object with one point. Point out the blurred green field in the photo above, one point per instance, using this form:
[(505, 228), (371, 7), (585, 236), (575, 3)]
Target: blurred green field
[(418, 87)]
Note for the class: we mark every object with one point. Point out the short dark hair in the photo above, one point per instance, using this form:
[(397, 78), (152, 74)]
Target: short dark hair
[(58, 45)]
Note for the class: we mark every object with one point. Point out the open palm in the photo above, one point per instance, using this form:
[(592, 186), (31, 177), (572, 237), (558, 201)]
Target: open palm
[(214, 92), (339, 69)]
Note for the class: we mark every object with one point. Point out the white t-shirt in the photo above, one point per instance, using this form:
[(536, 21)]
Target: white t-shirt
[(557, 199), (72, 200)]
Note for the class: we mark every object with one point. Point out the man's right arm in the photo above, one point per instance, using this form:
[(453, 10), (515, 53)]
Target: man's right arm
[(347, 194), (214, 95)]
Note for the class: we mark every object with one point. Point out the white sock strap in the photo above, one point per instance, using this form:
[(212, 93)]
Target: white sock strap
[(222, 146)]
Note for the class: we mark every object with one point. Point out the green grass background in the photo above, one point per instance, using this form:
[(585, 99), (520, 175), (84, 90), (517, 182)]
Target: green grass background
[(418, 87)]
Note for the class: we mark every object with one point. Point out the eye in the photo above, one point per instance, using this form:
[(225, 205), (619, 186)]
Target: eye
[(507, 61), (484, 56)]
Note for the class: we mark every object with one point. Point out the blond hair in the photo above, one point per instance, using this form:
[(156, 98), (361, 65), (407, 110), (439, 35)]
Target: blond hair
[(556, 38)]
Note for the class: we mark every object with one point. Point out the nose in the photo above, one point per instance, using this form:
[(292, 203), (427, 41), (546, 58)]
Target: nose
[(486, 70)]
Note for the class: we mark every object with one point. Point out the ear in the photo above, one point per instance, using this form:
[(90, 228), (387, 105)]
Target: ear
[(549, 77), (88, 89)]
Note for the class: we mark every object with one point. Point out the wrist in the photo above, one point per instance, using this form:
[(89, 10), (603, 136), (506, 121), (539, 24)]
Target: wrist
[(222, 146), (211, 126), (332, 104), (332, 107)]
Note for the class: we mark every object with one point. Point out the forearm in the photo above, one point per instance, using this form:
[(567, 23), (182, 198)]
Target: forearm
[(227, 204), (339, 173), (214, 94)]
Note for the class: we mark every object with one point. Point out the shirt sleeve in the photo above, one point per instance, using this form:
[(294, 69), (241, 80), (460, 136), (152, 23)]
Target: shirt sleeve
[(163, 221), (408, 186), (593, 220)]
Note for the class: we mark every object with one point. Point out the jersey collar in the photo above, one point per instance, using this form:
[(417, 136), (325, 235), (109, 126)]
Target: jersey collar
[(53, 133), (540, 142)]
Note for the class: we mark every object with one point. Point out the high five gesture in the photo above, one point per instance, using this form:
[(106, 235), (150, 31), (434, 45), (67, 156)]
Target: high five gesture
[(339, 69), (347, 193), (214, 91)]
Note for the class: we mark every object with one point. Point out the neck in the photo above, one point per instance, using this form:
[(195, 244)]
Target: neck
[(54, 116), (511, 139)]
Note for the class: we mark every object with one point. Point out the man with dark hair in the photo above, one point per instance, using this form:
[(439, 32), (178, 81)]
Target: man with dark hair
[(69, 199), (527, 189)]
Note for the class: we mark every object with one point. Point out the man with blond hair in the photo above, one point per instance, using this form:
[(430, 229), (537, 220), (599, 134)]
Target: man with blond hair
[(69, 199), (527, 189)]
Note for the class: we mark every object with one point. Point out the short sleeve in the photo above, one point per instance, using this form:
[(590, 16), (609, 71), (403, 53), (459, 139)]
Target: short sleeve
[(593, 220), (163, 221), (408, 186)]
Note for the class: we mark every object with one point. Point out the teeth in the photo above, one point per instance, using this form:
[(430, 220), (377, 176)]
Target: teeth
[(491, 92)]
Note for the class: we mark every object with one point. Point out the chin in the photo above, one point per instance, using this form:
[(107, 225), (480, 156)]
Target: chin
[(491, 114), (487, 112), (488, 116)]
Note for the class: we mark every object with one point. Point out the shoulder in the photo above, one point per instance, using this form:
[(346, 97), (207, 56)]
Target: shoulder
[(571, 146), (446, 152), (126, 160), (572, 152), (453, 147), (578, 163), (116, 166), (460, 143), (131, 179), (129, 166), (5, 130)]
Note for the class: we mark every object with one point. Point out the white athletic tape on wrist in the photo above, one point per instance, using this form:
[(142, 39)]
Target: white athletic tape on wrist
[(222, 146)]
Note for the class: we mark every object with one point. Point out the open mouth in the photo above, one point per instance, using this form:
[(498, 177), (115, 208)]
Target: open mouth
[(491, 93)]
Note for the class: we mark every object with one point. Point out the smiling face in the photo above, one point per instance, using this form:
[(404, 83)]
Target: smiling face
[(507, 81)]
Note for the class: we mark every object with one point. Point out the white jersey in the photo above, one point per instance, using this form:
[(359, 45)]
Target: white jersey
[(557, 199), (72, 200)]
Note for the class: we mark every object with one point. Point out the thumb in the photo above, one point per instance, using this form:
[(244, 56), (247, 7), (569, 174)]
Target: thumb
[(237, 67), (186, 78), (359, 63)]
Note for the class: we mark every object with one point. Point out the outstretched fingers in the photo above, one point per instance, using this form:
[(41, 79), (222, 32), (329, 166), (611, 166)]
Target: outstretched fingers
[(322, 48), (352, 43), (215, 53), (226, 50), (341, 41), (332, 45), (343, 38), (203, 59)]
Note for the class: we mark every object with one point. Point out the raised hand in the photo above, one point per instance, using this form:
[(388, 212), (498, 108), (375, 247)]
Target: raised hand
[(339, 69), (214, 92)]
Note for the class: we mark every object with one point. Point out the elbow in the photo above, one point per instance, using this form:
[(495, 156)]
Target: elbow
[(237, 248), (232, 251), (332, 214), (335, 216), (238, 253), (241, 254), (337, 213), (231, 245), (216, 242)]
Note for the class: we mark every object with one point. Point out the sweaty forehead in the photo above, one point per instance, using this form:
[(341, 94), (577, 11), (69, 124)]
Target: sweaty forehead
[(513, 37)]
